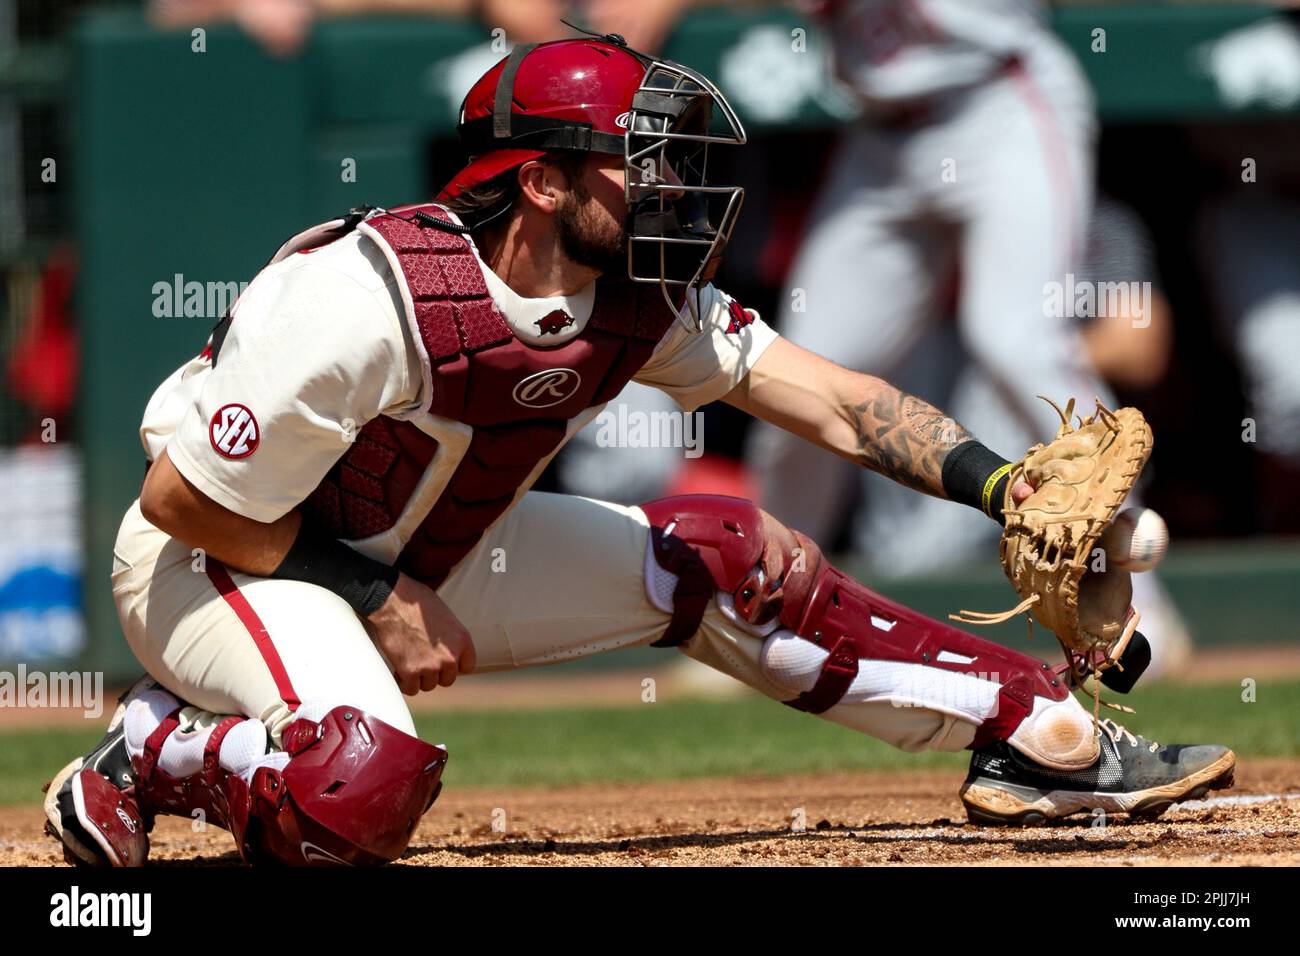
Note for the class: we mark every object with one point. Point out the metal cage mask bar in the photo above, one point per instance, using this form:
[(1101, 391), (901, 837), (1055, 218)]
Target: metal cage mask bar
[(669, 129)]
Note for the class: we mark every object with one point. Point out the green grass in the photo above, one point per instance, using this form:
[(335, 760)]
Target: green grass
[(29, 758), (710, 738)]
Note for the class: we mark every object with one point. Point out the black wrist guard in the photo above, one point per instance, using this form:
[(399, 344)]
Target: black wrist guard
[(318, 559), (976, 476)]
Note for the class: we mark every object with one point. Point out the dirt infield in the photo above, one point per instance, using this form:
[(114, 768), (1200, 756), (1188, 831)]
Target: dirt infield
[(850, 819)]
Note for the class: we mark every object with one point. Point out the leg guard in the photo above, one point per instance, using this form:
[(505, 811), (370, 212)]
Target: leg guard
[(353, 791), (347, 788), (821, 627)]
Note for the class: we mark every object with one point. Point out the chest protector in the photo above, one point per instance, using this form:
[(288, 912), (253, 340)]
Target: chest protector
[(495, 406)]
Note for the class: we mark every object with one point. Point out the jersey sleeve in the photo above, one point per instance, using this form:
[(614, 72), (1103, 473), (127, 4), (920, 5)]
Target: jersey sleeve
[(696, 368), (311, 356)]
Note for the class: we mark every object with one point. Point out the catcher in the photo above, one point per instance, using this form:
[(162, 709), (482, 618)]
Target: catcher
[(336, 511)]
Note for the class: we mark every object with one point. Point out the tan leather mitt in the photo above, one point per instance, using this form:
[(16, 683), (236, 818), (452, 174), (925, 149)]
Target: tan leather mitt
[(1081, 479)]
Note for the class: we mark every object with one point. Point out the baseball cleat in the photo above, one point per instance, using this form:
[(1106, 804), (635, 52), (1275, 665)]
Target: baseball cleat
[(87, 805), (1131, 775)]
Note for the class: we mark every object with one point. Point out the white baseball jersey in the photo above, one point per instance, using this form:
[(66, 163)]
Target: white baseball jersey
[(319, 346), (893, 51)]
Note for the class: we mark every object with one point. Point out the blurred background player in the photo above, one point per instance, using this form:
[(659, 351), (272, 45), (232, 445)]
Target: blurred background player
[(975, 160)]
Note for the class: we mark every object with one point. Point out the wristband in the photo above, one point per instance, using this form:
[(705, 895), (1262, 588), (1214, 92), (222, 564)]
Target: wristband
[(977, 476), (316, 558)]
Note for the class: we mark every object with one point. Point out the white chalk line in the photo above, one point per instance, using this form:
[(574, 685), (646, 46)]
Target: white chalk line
[(930, 833), (1243, 800)]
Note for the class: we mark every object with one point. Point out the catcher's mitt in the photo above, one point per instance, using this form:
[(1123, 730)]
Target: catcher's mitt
[(1080, 481)]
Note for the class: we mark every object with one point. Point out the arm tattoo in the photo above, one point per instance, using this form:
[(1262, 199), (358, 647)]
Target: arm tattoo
[(906, 439)]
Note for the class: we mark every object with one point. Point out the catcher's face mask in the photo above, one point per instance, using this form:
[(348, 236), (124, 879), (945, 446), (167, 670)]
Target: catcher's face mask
[(679, 222)]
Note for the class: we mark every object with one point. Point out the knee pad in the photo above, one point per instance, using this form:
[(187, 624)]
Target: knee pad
[(837, 638), (705, 544), (352, 792), (347, 788)]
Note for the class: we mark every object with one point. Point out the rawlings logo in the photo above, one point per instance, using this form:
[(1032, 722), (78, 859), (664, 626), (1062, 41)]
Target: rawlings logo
[(740, 317), (544, 389), (233, 432), (555, 323), (621, 120)]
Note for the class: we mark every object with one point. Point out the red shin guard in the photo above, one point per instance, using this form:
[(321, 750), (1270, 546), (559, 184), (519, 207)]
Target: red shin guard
[(714, 543)]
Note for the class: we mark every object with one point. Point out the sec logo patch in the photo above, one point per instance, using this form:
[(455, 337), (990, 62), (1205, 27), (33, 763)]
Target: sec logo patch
[(234, 432)]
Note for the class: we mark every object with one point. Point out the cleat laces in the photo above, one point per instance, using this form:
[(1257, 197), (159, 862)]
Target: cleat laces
[(1114, 731)]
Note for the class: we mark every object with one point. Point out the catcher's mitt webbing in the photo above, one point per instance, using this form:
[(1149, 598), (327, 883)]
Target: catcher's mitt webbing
[(1080, 480)]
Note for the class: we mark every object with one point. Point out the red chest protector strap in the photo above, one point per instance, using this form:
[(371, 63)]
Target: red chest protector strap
[(447, 302)]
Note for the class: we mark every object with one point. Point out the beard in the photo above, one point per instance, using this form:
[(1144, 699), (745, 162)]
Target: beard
[(590, 236)]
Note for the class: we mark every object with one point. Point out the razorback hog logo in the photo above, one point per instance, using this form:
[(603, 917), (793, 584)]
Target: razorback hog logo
[(739, 318), (555, 323), (233, 432), (544, 389)]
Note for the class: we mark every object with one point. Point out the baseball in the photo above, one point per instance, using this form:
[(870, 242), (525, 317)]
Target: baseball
[(1136, 540)]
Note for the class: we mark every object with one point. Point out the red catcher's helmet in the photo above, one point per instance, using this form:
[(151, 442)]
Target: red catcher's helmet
[(594, 94), (554, 91)]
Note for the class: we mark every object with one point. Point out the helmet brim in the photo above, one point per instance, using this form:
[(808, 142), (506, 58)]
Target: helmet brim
[(485, 167)]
